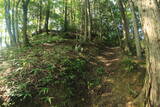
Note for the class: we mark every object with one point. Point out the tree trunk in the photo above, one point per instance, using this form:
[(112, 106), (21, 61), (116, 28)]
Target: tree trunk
[(85, 21), (71, 12), (89, 19), (13, 22), (8, 20), (125, 25), (47, 16), (40, 16), (16, 21), (66, 16), (136, 34), (25, 19), (151, 26)]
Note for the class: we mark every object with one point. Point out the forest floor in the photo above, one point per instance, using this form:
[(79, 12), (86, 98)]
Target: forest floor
[(118, 85), (37, 75)]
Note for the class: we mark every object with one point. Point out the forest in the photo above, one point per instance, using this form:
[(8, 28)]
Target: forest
[(79, 53)]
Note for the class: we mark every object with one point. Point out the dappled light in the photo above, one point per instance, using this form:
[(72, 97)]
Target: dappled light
[(79, 53)]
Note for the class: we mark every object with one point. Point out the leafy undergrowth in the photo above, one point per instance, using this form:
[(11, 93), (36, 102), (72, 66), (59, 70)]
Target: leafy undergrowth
[(54, 72), (58, 71)]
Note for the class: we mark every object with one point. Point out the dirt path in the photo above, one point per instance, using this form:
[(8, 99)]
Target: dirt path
[(117, 86), (110, 58)]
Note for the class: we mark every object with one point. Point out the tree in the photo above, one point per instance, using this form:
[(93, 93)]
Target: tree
[(13, 21), (40, 16), (66, 16), (135, 26), (17, 21), (25, 4), (85, 21), (47, 16), (89, 19), (9, 21), (125, 25), (150, 17), (87, 15)]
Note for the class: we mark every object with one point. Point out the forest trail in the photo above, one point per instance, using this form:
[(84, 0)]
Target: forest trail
[(110, 58), (118, 86)]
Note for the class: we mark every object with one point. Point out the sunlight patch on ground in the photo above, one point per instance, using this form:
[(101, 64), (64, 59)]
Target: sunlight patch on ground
[(108, 64), (102, 59), (116, 59)]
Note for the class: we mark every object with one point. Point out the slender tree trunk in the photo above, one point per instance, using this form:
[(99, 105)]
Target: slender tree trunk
[(136, 34), (16, 22), (94, 14), (47, 16), (40, 16), (66, 16), (125, 25), (8, 20), (85, 21), (71, 12), (25, 19), (82, 21), (89, 19), (13, 22)]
